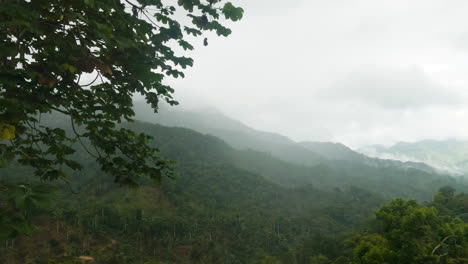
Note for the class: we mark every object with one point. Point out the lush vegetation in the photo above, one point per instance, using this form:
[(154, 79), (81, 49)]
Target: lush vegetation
[(233, 206)]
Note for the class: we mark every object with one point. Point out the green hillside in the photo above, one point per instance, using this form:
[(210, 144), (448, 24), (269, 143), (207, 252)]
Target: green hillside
[(240, 136), (224, 205)]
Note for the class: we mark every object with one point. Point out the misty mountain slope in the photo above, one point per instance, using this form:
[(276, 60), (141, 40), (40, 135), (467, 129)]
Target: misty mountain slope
[(334, 151), (448, 155), (240, 136), (210, 174), (388, 180), (233, 132), (188, 146), (340, 155)]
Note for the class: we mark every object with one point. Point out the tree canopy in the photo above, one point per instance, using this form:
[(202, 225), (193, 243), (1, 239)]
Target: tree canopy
[(409, 233), (48, 48)]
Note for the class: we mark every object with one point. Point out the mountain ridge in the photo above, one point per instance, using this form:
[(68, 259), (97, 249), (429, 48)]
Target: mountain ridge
[(447, 156), (240, 136)]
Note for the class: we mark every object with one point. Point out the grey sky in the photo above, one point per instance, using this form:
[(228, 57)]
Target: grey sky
[(354, 71)]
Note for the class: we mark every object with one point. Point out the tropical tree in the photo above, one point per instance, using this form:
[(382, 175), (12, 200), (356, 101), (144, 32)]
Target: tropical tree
[(409, 233), (84, 60)]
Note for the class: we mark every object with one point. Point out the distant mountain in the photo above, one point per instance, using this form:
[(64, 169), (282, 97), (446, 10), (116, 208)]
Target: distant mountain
[(446, 155), (189, 147), (240, 136), (339, 155), (334, 151)]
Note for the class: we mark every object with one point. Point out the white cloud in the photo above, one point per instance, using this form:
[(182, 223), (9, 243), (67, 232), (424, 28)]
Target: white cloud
[(358, 71), (393, 88)]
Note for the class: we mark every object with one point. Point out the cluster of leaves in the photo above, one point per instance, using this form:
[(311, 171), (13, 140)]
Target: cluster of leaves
[(17, 202), (406, 232), (47, 46)]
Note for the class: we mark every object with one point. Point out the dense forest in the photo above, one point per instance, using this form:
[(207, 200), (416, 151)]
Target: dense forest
[(236, 206)]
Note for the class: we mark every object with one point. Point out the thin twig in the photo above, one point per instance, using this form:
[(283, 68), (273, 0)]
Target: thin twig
[(151, 21), (90, 82), (79, 139), (70, 187)]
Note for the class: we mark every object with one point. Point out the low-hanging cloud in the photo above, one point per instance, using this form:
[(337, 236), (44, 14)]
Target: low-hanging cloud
[(390, 88), (359, 72)]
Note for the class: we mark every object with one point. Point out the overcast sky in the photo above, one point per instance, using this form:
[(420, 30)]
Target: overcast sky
[(353, 71)]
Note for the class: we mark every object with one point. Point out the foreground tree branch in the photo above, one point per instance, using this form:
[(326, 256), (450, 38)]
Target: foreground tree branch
[(47, 45)]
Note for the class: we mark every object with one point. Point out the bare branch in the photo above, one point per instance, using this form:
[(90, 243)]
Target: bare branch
[(90, 82), (78, 136), (441, 244)]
